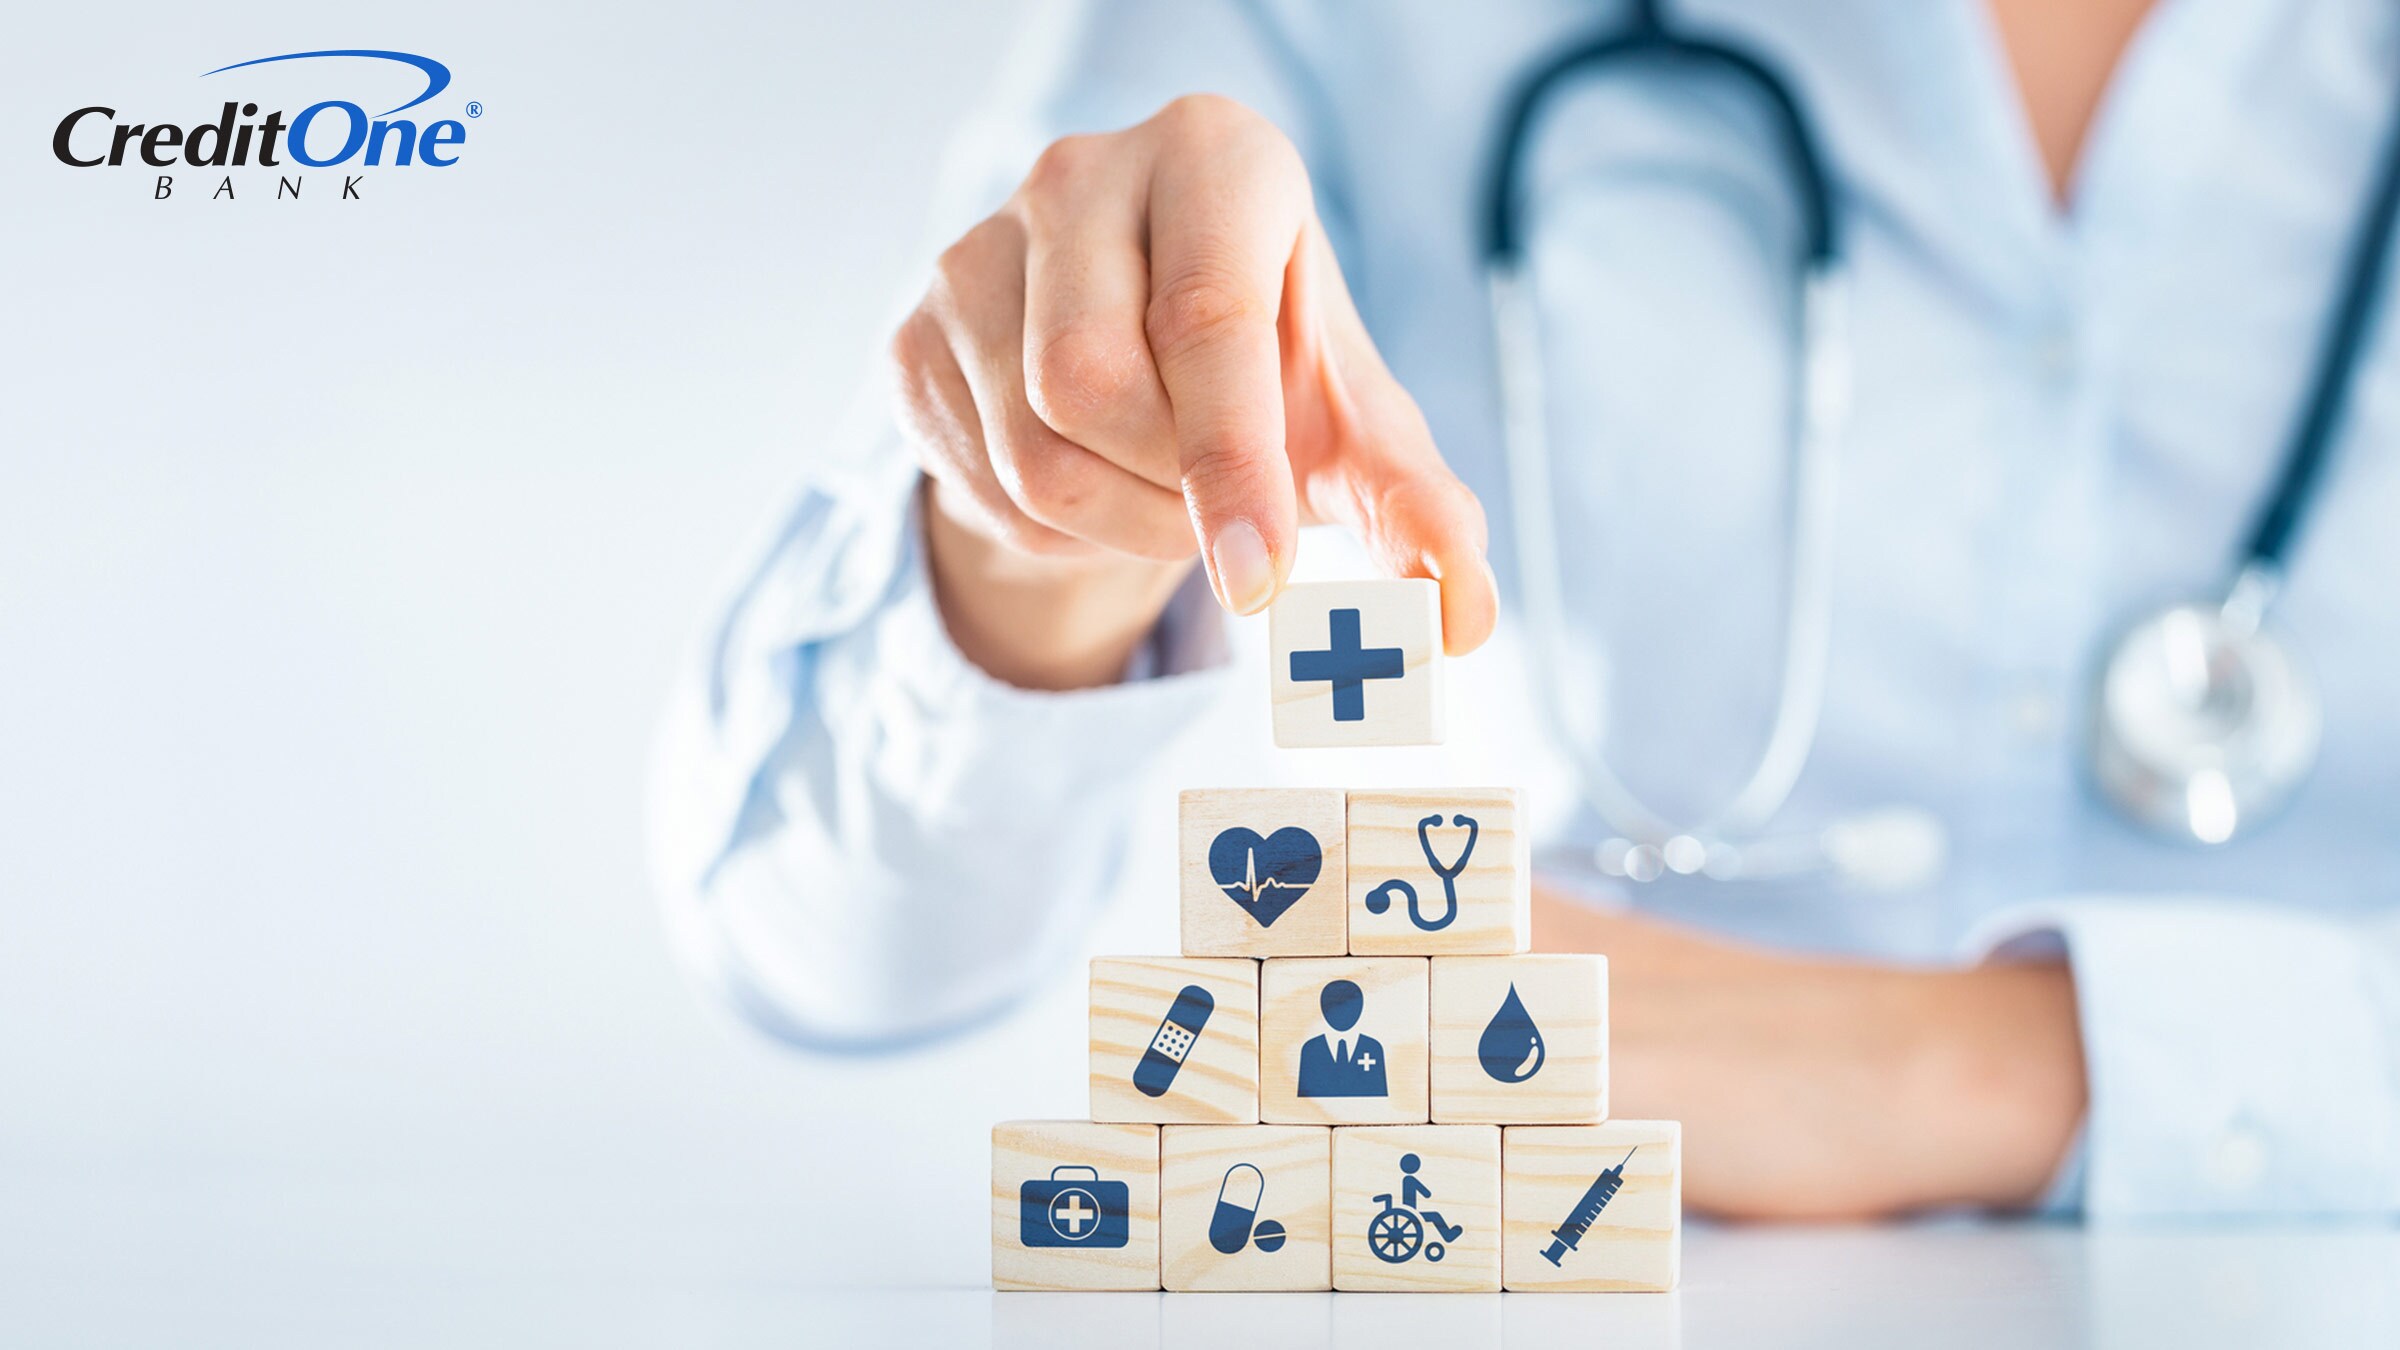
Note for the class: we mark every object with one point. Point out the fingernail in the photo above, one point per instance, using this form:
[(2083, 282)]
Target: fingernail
[(1245, 574)]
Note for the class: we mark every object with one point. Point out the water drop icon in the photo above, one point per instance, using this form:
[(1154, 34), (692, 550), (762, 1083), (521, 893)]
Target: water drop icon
[(1511, 1048)]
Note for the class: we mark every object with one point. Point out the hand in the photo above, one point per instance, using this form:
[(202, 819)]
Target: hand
[(1150, 351), (1822, 1089)]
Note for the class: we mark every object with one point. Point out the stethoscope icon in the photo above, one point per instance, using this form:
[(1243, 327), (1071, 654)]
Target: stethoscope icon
[(1380, 899)]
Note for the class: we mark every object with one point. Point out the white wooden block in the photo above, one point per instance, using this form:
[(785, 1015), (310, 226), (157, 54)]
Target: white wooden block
[(1401, 844), (1343, 1041), (1574, 1227), (1174, 1039), (1416, 1207), (1246, 1207), (1074, 1205), (1520, 1039), (1357, 663), (1263, 872)]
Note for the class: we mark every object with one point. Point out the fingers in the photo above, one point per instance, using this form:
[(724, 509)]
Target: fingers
[(1088, 373), (1419, 521), (1226, 210), (1152, 347), (938, 412), (978, 300)]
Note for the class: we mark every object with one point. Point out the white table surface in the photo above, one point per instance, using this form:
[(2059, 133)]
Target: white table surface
[(1946, 1287), (231, 1265)]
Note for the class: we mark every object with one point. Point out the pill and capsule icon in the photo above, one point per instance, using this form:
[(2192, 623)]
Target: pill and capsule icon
[(1234, 1223)]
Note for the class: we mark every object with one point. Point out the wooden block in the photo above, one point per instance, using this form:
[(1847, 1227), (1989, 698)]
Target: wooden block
[(1343, 1041), (1416, 1207), (1399, 844), (1074, 1205), (1555, 1174), (1175, 1039), (1357, 663), (1263, 872), (1520, 1040), (1246, 1207)]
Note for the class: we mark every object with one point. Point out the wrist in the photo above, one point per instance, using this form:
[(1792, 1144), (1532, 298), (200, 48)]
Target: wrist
[(2001, 1061), (1041, 622)]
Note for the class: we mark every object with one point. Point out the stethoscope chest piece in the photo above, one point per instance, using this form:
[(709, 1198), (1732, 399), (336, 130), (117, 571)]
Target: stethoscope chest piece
[(2205, 721)]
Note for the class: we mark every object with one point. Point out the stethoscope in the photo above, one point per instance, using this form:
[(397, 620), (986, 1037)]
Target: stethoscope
[(1380, 899), (2204, 719)]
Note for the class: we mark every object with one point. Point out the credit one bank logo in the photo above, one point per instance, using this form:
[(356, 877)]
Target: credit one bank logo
[(333, 134)]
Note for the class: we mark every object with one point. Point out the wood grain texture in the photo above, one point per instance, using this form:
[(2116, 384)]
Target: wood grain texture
[(1494, 884), (1395, 1015), (1635, 1243), (1214, 924), (1461, 1163), (1217, 1081), (1294, 1173), (1566, 999), (1406, 709), (1031, 1150)]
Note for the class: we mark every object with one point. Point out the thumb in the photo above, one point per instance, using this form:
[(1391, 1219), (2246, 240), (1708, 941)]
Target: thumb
[(1365, 458), (1418, 520)]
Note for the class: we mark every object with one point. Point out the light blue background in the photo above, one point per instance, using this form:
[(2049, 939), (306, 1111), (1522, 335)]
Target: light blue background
[(346, 551)]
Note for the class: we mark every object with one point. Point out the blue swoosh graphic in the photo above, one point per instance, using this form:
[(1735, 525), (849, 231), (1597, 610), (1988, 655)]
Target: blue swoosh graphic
[(437, 75)]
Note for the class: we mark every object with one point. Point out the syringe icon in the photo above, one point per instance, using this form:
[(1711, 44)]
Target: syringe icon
[(1569, 1235)]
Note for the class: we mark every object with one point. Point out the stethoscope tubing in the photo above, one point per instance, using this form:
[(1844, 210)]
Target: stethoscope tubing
[(2365, 272), (1504, 215), (1822, 408), (1821, 412)]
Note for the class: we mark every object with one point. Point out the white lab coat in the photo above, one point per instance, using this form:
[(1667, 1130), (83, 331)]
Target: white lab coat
[(2057, 420)]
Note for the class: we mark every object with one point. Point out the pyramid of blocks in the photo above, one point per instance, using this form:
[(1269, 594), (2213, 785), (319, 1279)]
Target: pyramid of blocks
[(1354, 1076)]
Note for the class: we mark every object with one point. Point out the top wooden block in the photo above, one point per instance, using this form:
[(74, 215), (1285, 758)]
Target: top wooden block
[(1357, 663)]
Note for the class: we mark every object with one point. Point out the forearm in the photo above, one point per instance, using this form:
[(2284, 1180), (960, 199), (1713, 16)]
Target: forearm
[(1845, 1092), (1823, 1089), (1994, 1090)]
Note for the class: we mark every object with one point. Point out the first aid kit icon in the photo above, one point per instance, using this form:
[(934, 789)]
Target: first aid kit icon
[(1074, 1208)]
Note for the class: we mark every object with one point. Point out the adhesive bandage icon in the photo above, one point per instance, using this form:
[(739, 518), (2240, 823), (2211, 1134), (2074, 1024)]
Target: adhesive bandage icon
[(1173, 1040)]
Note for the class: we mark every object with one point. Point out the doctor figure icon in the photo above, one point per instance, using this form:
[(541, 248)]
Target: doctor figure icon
[(1336, 1064)]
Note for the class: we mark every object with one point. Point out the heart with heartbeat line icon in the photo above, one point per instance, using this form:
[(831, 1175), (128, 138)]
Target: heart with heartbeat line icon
[(1265, 876)]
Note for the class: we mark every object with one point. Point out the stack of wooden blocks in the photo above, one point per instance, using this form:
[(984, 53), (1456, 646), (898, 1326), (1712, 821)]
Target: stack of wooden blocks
[(1354, 1077)]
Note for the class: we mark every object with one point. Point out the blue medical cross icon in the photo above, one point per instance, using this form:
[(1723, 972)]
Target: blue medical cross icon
[(1347, 665), (1072, 1214)]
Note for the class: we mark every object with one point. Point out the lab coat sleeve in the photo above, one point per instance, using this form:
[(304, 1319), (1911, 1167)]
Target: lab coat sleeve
[(2241, 1059), (861, 839)]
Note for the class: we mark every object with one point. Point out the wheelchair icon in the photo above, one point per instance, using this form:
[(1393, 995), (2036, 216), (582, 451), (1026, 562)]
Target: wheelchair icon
[(1397, 1232)]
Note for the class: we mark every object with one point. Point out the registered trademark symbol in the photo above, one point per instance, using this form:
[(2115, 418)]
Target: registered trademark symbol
[(474, 110)]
